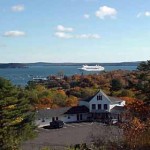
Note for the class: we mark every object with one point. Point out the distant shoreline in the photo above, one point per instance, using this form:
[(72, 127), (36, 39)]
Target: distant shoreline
[(26, 65)]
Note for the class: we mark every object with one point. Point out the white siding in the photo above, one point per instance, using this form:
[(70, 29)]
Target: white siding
[(121, 104), (43, 122), (69, 118), (105, 100), (65, 118), (102, 102), (73, 118)]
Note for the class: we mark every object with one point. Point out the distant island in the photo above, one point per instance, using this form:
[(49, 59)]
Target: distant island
[(26, 65), (13, 65), (80, 64)]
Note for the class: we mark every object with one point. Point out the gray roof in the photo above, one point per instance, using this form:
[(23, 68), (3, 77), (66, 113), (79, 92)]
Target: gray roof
[(88, 99), (114, 100), (117, 109), (46, 113)]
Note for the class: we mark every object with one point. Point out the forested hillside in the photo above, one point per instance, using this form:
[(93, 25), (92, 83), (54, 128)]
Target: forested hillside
[(60, 91)]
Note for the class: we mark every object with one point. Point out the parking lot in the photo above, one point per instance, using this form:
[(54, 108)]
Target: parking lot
[(70, 134)]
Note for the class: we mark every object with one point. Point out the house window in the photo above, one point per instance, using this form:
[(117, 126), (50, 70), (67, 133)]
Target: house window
[(43, 120), (105, 106), (93, 106), (99, 97), (99, 107), (56, 118), (53, 118)]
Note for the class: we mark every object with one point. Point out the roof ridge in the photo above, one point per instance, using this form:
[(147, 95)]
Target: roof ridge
[(104, 94), (88, 99)]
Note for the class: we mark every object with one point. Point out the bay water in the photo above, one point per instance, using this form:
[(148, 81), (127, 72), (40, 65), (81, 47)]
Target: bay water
[(20, 76)]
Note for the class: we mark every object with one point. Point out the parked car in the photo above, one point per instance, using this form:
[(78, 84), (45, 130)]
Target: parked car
[(56, 124)]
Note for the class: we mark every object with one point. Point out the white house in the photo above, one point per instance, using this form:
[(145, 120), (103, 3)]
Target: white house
[(98, 106), (102, 106), (66, 114)]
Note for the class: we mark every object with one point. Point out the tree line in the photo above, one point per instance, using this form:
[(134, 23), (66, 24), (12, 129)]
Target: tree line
[(67, 90)]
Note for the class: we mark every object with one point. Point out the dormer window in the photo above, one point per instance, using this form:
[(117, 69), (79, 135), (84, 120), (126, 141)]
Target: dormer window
[(99, 97)]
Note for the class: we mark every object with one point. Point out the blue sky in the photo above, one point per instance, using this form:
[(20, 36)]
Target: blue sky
[(74, 30)]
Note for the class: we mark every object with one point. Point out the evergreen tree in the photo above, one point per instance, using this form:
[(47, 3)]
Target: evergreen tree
[(116, 85), (16, 116), (144, 80), (144, 66)]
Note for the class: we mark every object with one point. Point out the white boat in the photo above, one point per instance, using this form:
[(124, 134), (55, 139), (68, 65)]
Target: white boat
[(91, 68), (39, 79)]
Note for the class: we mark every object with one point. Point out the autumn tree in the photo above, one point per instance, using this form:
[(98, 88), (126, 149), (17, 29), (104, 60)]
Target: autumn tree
[(137, 126)]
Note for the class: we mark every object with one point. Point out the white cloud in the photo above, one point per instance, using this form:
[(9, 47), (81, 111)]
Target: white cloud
[(146, 14), (88, 36), (86, 16), (106, 11), (17, 8), (62, 32), (63, 35), (61, 28), (14, 33)]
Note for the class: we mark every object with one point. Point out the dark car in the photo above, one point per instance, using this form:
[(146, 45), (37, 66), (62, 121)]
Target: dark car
[(56, 124)]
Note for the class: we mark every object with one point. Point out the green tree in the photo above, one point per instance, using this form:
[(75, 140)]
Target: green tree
[(126, 93), (116, 85), (16, 116), (144, 66)]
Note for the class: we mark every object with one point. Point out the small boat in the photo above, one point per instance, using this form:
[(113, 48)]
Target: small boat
[(39, 79), (91, 68)]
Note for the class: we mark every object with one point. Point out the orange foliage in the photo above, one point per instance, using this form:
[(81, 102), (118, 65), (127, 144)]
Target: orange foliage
[(139, 109), (62, 92), (128, 100), (132, 131)]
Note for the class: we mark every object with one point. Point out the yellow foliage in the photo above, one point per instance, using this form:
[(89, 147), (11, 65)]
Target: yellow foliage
[(17, 120), (62, 92), (10, 107), (72, 101), (40, 87)]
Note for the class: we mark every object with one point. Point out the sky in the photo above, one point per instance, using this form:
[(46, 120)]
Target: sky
[(74, 31)]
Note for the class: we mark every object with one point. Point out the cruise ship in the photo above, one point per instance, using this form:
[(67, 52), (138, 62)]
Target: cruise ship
[(91, 68)]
